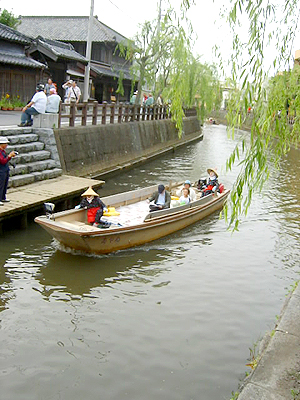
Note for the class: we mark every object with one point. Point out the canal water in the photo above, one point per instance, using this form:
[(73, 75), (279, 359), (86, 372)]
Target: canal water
[(170, 320)]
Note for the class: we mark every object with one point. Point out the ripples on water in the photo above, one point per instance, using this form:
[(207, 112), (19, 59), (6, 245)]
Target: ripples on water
[(173, 319)]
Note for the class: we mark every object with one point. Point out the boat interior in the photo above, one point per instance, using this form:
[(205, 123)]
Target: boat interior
[(127, 209)]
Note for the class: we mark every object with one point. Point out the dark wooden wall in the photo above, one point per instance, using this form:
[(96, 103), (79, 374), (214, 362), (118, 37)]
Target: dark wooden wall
[(18, 81)]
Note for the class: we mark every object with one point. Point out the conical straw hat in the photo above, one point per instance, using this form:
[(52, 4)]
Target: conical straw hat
[(90, 192), (213, 170)]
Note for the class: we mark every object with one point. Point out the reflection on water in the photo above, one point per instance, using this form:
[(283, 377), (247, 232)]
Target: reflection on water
[(78, 274), (172, 319)]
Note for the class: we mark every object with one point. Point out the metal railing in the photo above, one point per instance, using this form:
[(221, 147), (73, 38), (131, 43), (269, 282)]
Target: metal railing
[(85, 113)]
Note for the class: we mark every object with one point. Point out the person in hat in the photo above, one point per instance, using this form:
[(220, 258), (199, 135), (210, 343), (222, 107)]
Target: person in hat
[(67, 86), (74, 93), (4, 168), (187, 185), (212, 184), (94, 205), (161, 198), (37, 105), (133, 97)]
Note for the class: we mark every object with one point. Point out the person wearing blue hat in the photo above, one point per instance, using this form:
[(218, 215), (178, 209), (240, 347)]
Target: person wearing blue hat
[(187, 185), (4, 168), (161, 198)]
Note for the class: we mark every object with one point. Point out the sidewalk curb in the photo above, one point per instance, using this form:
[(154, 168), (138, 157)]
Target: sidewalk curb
[(277, 372)]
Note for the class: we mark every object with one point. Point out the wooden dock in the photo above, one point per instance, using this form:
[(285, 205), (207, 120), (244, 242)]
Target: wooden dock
[(28, 199)]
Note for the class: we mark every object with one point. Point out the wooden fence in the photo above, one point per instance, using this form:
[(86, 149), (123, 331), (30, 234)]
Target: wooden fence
[(96, 114)]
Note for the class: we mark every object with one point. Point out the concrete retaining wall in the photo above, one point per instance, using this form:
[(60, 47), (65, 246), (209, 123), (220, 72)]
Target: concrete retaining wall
[(220, 117), (96, 150)]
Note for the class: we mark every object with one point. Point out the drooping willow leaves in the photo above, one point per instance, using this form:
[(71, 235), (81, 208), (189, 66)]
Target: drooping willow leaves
[(268, 87)]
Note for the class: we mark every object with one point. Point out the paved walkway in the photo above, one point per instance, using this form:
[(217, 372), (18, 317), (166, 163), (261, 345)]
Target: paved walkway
[(10, 119), (29, 197), (277, 375)]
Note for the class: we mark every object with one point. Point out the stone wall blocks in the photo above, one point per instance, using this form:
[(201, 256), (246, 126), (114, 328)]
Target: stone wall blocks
[(103, 147)]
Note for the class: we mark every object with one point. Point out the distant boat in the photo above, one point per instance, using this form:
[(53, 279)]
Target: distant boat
[(134, 225)]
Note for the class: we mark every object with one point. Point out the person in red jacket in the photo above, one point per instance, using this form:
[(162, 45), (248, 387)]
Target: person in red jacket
[(95, 207), (212, 184), (4, 168)]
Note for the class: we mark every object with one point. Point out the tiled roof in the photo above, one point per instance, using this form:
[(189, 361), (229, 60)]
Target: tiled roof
[(110, 71), (12, 35), (19, 59), (68, 29), (59, 49)]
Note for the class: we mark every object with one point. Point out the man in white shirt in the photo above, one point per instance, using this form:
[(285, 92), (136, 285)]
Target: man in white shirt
[(53, 101), (74, 93), (37, 105), (67, 87)]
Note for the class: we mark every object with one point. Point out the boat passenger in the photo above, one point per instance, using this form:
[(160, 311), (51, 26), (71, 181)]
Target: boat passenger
[(161, 197), (185, 198), (95, 207), (212, 184), (187, 185)]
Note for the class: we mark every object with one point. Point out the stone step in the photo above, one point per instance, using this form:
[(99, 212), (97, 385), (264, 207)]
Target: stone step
[(26, 147), (20, 139), (21, 169), (15, 131), (31, 157), (21, 180)]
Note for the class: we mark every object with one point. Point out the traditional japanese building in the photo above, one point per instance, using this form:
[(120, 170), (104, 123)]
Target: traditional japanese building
[(106, 64), (19, 73)]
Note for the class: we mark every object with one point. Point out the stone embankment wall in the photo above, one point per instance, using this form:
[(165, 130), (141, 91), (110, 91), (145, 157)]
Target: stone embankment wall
[(99, 150), (220, 117)]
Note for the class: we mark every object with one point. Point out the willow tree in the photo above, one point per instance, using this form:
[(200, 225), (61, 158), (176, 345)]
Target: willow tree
[(270, 26), (190, 84), (146, 50), (162, 58)]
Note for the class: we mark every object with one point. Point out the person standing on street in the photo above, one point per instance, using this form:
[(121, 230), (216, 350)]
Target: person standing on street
[(74, 93), (4, 169), (67, 86), (49, 85), (150, 101)]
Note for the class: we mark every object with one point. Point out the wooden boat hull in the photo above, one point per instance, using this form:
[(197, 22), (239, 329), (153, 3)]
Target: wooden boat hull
[(104, 241)]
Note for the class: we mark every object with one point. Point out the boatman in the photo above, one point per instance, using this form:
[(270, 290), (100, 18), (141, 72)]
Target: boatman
[(162, 199), (95, 207)]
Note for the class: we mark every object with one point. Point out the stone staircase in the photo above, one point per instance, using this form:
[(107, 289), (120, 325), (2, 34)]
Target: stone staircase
[(34, 162)]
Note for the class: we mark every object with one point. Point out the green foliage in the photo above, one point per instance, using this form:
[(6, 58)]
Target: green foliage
[(295, 393), (234, 395), (8, 18), (162, 60), (120, 88), (275, 102)]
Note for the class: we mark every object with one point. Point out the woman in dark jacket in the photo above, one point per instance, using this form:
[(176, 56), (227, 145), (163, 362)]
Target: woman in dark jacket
[(4, 168), (212, 184)]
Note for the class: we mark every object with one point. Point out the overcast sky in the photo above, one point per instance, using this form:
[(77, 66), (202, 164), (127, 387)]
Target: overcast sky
[(124, 17)]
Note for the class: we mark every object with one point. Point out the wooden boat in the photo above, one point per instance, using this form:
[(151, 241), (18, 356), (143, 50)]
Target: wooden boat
[(138, 225)]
